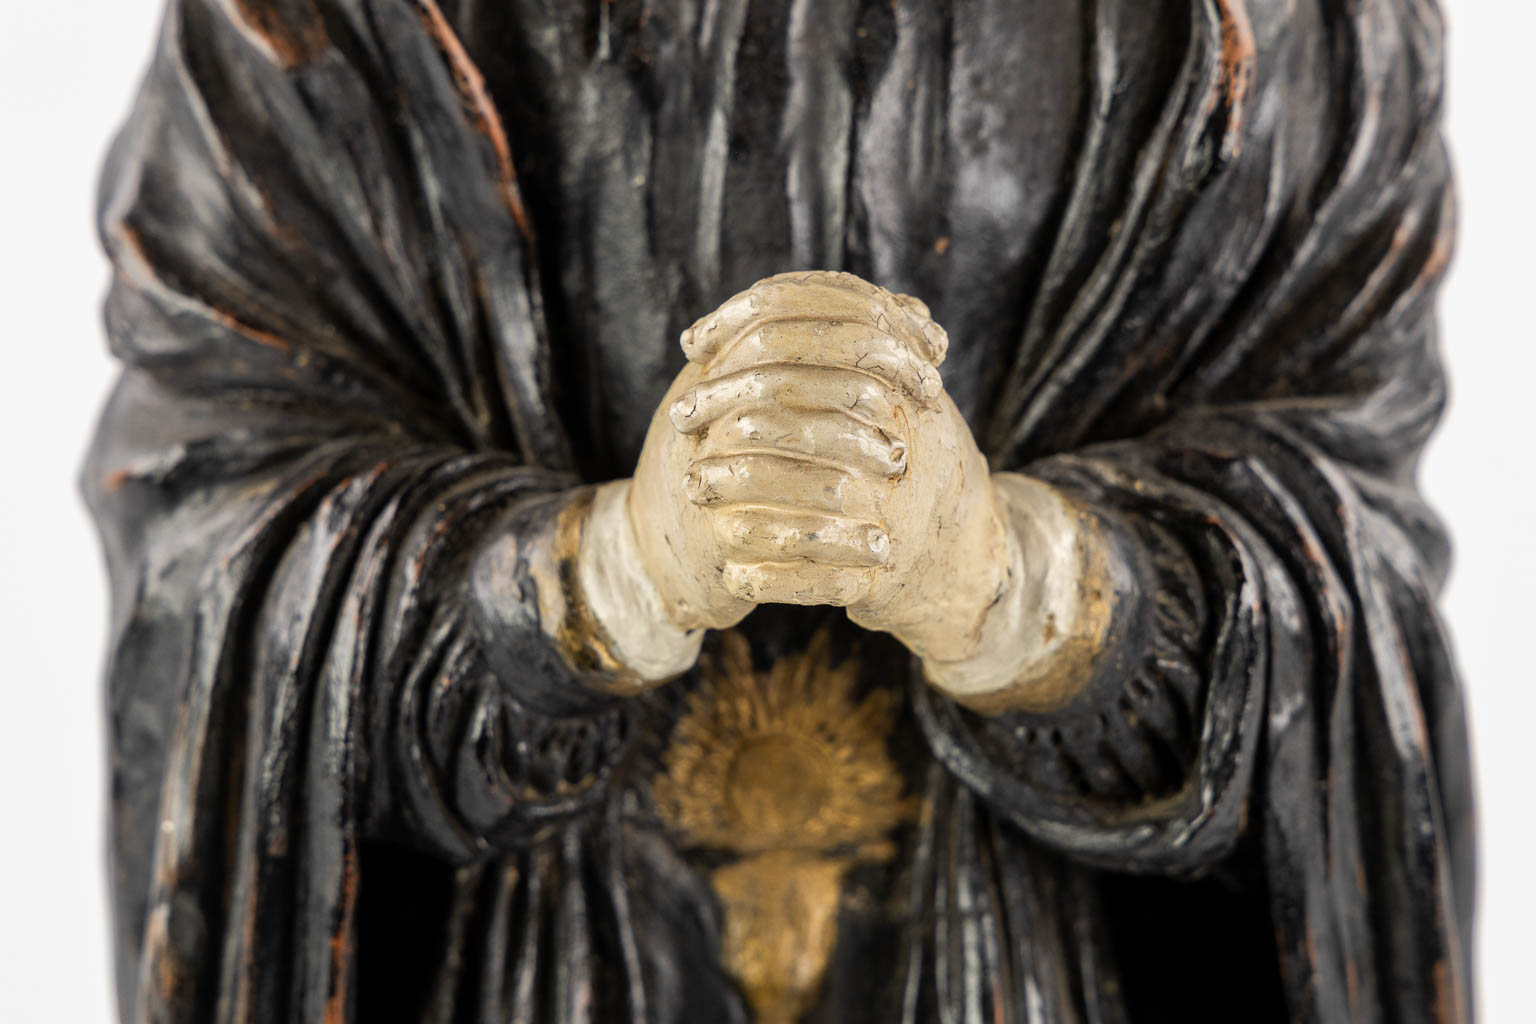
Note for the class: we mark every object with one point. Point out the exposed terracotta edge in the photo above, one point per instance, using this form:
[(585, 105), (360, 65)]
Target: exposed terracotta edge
[(288, 43), (1239, 56), (140, 273), (472, 89), (338, 1000)]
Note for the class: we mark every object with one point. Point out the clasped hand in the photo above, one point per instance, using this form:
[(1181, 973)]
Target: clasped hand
[(808, 454)]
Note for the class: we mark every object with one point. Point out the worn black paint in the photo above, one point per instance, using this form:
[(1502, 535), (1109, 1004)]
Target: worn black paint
[(1188, 272)]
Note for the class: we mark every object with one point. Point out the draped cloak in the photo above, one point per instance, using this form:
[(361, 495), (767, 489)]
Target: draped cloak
[(393, 278)]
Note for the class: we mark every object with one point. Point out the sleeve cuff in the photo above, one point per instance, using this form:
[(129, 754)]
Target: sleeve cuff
[(567, 615)]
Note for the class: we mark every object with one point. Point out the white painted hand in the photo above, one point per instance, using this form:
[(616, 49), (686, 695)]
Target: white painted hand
[(808, 454)]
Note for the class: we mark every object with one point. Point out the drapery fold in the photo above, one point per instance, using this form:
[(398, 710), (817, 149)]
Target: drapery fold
[(336, 394), (1187, 254)]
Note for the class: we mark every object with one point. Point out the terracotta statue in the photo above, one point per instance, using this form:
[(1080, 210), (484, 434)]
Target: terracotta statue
[(1009, 602)]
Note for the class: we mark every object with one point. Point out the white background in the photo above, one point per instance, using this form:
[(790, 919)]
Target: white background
[(67, 70)]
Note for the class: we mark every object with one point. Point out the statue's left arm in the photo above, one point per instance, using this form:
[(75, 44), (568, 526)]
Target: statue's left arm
[(1220, 632)]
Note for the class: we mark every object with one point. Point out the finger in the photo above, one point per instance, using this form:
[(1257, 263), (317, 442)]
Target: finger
[(766, 479), (853, 393), (830, 438), (750, 533), (817, 295), (844, 343), (797, 583)]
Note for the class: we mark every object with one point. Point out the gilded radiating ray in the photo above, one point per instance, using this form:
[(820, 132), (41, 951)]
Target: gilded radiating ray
[(783, 759), (787, 770)]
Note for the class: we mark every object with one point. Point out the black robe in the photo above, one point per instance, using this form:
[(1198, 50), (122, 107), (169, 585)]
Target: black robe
[(393, 278)]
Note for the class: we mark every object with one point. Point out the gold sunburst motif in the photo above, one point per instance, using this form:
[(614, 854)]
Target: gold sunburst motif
[(786, 769)]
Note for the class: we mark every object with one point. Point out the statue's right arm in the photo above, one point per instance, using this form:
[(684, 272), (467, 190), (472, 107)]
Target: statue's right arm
[(323, 479)]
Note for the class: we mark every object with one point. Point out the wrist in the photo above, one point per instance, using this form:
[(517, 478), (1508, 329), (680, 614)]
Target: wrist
[(1039, 642), (624, 608)]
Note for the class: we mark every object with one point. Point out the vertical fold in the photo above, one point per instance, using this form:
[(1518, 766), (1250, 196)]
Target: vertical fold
[(818, 130)]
